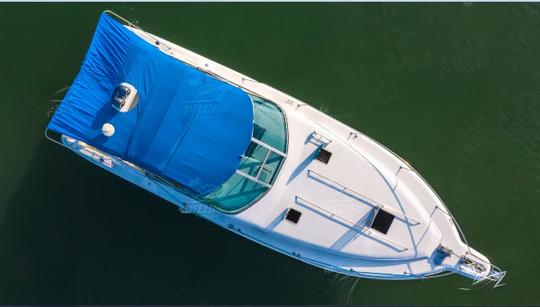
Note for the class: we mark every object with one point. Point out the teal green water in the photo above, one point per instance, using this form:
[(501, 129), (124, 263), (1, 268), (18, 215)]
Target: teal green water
[(452, 88)]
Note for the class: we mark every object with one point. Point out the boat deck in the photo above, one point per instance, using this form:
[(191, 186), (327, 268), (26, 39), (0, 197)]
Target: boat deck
[(403, 190), (339, 200)]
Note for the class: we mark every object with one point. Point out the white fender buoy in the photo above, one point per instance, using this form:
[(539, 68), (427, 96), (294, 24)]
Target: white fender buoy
[(107, 129)]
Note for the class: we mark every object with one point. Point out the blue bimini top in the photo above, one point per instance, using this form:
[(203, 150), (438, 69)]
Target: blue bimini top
[(187, 126)]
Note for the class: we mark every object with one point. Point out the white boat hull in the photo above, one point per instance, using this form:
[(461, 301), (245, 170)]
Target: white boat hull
[(364, 176)]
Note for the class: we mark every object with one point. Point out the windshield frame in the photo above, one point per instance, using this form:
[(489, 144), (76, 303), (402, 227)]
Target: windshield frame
[(208, 201)]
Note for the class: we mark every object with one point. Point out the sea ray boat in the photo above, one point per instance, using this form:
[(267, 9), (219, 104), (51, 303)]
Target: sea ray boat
[(256, 161)]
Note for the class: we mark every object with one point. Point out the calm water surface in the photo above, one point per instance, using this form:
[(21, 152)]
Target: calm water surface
[(453, 88)]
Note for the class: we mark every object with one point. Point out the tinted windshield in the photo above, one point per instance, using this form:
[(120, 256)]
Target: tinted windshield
[(261, 162)]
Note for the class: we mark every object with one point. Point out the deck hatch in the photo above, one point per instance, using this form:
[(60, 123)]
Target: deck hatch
[(382, 221), (324, 155), (293, 215)]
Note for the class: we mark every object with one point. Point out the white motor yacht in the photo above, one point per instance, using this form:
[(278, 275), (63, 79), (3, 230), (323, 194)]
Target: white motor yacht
[(256, 161)]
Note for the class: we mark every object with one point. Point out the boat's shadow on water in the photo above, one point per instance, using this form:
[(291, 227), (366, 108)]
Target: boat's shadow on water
[(73, 233)]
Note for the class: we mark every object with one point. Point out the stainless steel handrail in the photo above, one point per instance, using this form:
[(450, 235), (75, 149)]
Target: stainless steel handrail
[(363, 229), (321, 138), (368, 200)]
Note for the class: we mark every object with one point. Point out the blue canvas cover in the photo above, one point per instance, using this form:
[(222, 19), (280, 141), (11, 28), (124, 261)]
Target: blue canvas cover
[(187, 126)]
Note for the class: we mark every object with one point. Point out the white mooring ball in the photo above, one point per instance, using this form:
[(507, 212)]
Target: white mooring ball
[(107, 129)]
